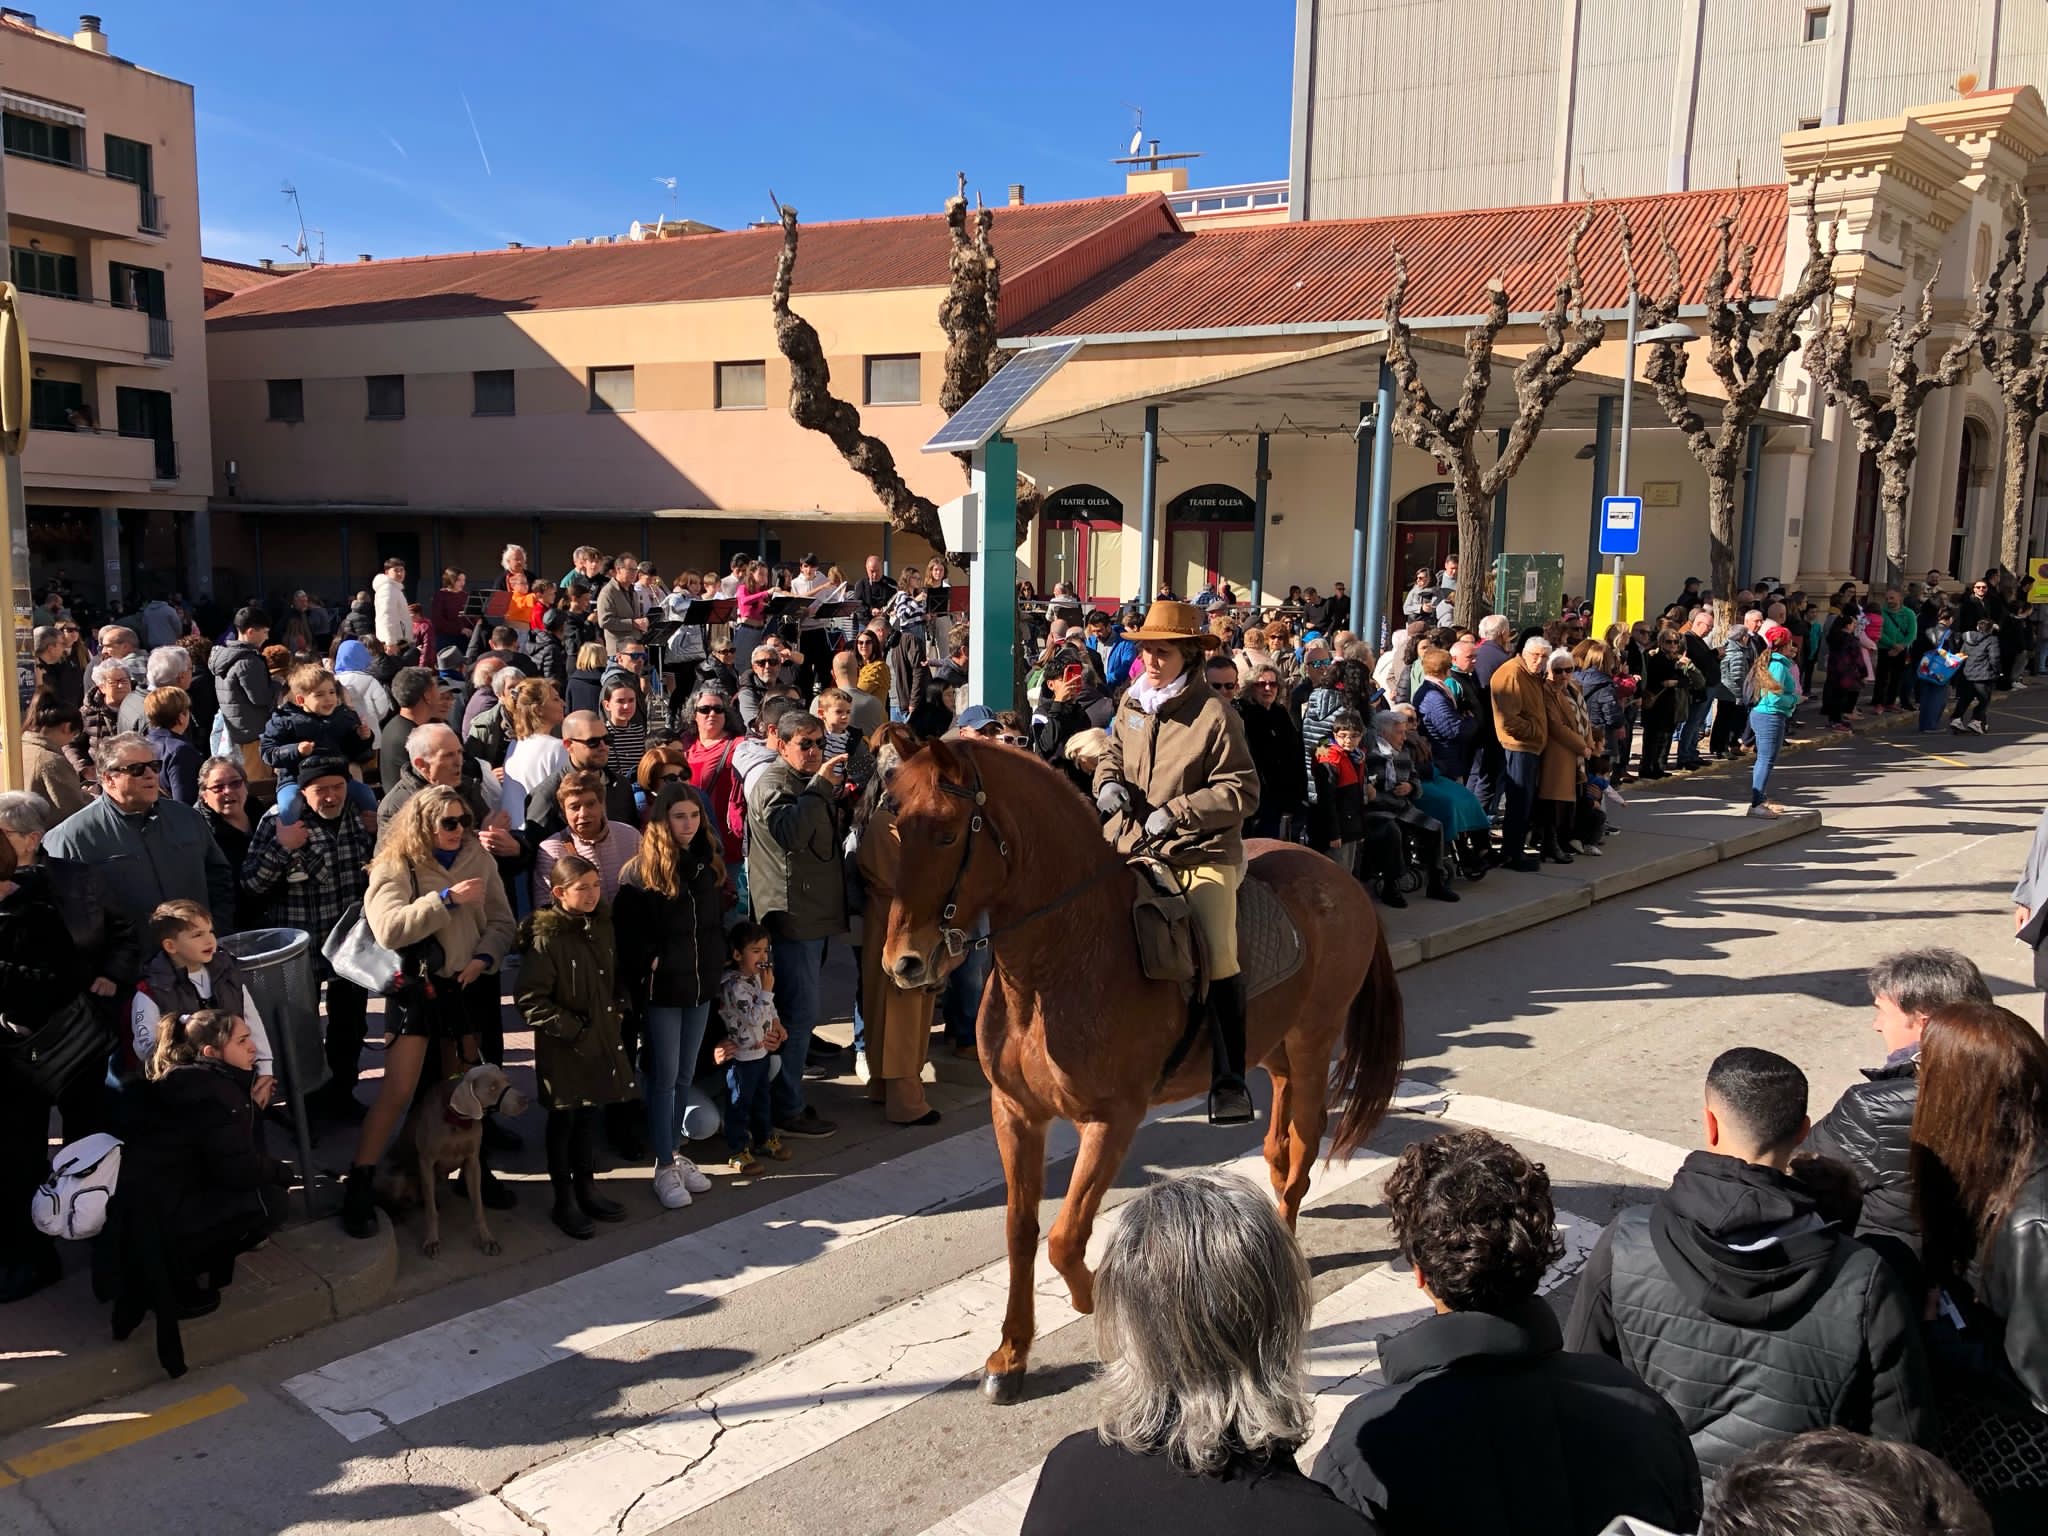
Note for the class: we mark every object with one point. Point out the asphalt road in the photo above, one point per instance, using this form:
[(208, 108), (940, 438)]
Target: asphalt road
[(809, 1366)]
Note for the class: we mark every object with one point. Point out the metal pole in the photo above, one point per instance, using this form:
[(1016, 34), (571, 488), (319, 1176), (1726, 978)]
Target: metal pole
[(1628, 400), (992, 589), (1148, 506), (760, 539), (1259, 478), (1364, 601), (1500, 511), (1603, 451), (1382, 504), (888, 569)]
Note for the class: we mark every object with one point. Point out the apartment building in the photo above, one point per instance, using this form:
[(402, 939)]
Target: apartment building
[(102, 217)]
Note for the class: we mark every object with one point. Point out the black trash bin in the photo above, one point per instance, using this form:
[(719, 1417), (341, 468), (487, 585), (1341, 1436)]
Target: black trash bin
[(277, 968)]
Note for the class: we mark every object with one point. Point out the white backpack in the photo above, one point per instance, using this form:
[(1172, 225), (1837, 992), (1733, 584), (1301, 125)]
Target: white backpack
[(73, 1200)]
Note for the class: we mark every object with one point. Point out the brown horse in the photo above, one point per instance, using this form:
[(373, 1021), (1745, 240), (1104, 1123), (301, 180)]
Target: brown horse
[(1071, 1029)]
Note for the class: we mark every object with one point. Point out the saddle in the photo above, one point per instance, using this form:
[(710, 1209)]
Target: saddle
[(1269, 947)]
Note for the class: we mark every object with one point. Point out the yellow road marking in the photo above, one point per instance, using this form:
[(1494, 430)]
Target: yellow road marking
[(1953, 762), (114, 1437)]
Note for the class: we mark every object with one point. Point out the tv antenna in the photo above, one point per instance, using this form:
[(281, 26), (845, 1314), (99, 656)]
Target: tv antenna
[(302, 249), (1137, 128), (670, 183)]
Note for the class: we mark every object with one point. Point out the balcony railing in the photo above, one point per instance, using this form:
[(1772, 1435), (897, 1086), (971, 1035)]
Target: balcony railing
[(160, 336), (166, 459), (149, 212)]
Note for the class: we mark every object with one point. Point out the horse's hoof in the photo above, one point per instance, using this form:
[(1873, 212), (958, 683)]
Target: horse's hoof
[(1003, 1388)]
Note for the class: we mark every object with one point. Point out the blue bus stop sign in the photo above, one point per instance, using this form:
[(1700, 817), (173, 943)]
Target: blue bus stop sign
[(1621, 525)]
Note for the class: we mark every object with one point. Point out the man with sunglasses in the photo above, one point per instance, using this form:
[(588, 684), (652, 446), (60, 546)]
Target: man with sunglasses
[(148, 847), (796, 881), (588, 750)]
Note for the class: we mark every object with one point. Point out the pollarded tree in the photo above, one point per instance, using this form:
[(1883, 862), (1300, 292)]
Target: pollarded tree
[(1451, 433), (1744, 353), (1888, 422), (2019, 363)]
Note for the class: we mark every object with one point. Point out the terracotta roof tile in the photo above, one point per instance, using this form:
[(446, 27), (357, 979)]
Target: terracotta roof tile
[(1336, 270), (230, 277), (847, 256)]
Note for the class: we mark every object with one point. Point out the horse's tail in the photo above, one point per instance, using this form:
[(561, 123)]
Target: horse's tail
[(1374, 1038)]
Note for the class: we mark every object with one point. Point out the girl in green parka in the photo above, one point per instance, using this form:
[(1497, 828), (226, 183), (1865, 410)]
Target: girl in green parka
[(568, 993)]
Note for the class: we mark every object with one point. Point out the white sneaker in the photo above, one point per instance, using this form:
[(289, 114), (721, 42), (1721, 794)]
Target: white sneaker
[(693, 1176), (860, 1066), (1764, 811), (669, 1187), (1590, 850), (1977, 726)]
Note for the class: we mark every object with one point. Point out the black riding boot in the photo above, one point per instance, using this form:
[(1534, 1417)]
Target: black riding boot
[(1230, 1101)]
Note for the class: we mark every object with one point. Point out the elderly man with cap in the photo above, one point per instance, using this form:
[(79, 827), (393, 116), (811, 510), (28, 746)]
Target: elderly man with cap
[(1522, 722), (1178, 781), (307, 874)]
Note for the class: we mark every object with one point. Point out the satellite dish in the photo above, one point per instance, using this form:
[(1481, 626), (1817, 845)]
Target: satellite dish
[(1137, 140), (635, 232)]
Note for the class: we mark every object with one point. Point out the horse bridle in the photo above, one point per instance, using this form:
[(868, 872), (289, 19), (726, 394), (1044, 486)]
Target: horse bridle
[(955, 941)]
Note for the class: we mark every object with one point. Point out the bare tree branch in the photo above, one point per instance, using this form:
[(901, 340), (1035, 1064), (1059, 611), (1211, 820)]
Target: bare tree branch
[(812, 404), (1744, 355), (2013, 354), (1450, 435)]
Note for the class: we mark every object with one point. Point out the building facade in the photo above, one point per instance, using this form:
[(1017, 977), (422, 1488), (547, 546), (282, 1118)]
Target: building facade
[(628, 396), (1402, 106), (102, 217)]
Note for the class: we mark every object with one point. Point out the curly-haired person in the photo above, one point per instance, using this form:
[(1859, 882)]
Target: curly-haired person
[(1571, 1441)]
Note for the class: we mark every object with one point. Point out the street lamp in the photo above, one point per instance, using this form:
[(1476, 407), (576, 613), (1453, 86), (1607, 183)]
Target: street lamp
[(1675, 331)]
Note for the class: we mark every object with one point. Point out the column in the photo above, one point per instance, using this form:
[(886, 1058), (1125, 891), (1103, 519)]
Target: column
[(1148, 507), (760, 538), (199, 555), (1752, 472), (888, 568), (1499, 544), (110, 555), (348, 580), (1932, 507), (1260, 476), (435, 536), (992, 589), (1364, 598), (1603, 455), (1382, 509)]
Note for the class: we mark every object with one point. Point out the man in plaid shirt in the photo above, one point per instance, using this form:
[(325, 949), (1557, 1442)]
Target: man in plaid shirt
[(307, 875)]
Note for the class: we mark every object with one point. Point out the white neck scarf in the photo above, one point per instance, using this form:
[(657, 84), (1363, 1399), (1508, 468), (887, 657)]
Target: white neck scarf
[(1149, 699)]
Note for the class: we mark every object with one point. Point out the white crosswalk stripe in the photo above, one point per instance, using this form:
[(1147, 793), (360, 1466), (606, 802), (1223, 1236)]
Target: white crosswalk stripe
[(1343, 1365), (407, 1377), (657, 1472)]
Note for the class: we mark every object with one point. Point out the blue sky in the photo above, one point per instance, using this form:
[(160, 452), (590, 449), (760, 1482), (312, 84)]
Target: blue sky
[(844, 109)]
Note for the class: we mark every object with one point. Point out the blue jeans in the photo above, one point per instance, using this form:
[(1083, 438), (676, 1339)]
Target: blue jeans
[(1769, 728), (860, 1025), (799, 974), (1689, 733), (961, 1004), (1933, 699), (674, 1037), (360, 798), (747, 1089)]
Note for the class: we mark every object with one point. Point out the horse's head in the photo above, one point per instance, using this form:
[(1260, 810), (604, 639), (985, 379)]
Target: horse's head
[(954, 861)]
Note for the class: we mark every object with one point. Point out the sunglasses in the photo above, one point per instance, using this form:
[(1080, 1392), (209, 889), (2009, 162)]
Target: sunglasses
[(222, 786), (587, 741), (632, 655), (454, 823), (662, 779), (710, 709), (1224, 687), (1014, 741), (808, 743), (137, 770)]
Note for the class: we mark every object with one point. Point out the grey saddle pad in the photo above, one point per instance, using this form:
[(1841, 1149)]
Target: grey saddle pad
[(1269, 947)]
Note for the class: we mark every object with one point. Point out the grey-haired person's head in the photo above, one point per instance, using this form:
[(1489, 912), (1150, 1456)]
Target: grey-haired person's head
[(1923, 981), (1201, 1315)]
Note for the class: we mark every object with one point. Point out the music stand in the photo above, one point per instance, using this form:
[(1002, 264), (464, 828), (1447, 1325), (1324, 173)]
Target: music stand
[(836, 610), (710, 610)]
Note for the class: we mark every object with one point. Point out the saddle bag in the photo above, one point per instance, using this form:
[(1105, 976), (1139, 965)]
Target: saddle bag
[(1164, 924)]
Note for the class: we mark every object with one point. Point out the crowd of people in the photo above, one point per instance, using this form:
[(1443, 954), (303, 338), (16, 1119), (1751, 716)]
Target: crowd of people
[(646, 831), (1830, 1329)]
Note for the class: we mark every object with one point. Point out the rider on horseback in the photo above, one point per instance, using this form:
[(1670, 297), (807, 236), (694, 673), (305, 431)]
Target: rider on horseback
[(1178, 778)]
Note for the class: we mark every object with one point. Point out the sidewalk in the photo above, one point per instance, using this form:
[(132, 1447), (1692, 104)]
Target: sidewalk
[(56, 1356)]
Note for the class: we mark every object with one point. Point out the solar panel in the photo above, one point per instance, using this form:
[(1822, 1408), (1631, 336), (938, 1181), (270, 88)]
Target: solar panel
[(982, 417)]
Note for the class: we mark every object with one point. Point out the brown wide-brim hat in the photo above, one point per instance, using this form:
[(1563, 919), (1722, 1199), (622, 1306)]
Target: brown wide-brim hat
[(1175, 621)]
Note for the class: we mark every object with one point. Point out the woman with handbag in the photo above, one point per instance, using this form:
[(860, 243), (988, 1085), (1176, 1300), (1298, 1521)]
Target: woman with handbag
[(53, 1050), (1980, 1182), (434, 899)]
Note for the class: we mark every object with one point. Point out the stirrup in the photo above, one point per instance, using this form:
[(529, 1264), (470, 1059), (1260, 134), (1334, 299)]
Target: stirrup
[(1230, 1102)]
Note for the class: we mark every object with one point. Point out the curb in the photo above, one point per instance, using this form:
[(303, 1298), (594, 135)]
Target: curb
[(308, 1276)]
